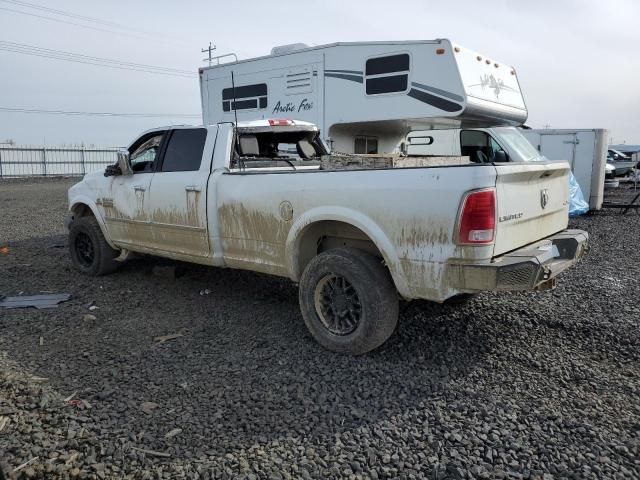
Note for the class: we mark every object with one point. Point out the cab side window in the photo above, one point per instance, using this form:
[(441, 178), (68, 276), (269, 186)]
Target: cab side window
[(184, 151), (494, 148), (144, 155)]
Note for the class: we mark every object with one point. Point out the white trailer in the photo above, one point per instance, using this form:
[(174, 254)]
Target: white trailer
[(585, 150), (366, 96)]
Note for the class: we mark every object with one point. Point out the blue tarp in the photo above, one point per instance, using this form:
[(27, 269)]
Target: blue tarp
[(577, 205)]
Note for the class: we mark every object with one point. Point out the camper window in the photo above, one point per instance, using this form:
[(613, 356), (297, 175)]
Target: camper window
[(365, 145), (246, 97), (388, 74)]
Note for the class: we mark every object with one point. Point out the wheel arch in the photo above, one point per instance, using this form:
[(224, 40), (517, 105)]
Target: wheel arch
[(303, 241), (83, 207)]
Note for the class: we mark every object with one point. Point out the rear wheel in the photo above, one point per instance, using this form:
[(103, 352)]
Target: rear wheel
[(348, 301), (90, 252)]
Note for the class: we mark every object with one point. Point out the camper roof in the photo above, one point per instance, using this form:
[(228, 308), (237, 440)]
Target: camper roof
[(279, 51)]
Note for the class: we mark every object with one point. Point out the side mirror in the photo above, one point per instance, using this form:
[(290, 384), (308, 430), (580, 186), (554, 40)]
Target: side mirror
[(500, 156), (123, 162)]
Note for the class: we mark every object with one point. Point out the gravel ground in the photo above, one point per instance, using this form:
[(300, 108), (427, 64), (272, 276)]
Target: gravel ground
[(534, 385)]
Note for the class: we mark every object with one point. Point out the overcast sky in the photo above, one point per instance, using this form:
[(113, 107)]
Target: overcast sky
[(578, 61)]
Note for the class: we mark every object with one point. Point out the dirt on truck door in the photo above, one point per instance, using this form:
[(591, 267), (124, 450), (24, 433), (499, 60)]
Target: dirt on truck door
[(126, 202), (178, 196)]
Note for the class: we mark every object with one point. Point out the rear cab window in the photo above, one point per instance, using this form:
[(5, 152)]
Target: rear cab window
[(273, 151)]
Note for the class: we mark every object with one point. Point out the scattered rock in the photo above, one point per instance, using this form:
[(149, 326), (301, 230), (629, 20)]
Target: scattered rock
[(148, 407), (173, 433), (536, 385)]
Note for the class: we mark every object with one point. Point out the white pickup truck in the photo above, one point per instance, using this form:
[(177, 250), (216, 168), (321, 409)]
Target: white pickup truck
[(256, 196)]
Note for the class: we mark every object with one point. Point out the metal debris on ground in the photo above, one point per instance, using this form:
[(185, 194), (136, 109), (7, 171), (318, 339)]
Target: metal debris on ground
[(70, 397), (166, 338), (151, 452), (36, 301), (24, 465)]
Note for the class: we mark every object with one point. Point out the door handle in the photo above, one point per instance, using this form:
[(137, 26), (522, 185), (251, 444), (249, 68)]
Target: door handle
[(139, 188), (193, 188)]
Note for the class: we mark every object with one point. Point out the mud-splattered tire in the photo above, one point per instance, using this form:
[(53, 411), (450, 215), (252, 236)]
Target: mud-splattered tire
[(348, 301), (90, 252)]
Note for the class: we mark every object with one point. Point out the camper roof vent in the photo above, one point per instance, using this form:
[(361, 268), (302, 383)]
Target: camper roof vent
[(292, 47)]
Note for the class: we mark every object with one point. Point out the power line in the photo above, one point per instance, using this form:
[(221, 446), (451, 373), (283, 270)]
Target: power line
[(79, 17), (89, 60), (96, 114), (64, 13), (67, 22), (64, 53)]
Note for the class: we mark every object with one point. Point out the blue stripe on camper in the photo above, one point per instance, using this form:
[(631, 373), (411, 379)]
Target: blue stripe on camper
[(353, 78), (422, 96), (443, 93), (434, 101)]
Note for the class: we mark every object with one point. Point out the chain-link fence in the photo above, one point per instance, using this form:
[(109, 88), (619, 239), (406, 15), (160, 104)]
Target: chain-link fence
[(47, 161)]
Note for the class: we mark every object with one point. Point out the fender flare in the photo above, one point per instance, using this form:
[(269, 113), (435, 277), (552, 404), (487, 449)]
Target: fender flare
[(355, 219), (84, 200)]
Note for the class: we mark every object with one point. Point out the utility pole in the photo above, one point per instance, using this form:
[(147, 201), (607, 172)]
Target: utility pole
[(208, 50)]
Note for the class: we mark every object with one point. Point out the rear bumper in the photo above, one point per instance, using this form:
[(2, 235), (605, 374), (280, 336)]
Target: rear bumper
[(529, 268)]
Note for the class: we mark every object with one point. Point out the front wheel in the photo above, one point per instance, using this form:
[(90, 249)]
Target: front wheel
[(90, 252), (348, 301)]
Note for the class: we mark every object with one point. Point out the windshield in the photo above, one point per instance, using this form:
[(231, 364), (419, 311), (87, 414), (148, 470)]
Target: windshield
[(622, 156), (518, 144)]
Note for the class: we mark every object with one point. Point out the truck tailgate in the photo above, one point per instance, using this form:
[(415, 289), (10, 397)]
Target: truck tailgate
[(532, 202)]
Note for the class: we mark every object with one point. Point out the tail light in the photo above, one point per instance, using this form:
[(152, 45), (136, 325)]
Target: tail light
[(477, 222)]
